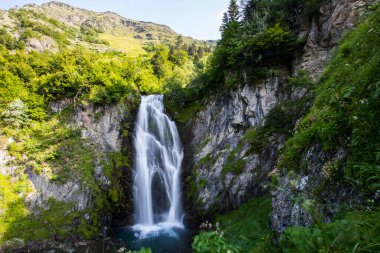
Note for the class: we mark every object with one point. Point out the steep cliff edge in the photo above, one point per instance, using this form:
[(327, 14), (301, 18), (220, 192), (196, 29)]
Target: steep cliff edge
[(233, 143)]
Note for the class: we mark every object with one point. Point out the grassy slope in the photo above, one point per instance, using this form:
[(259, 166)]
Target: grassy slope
[(127, 44), (129, 36), (248, 226)]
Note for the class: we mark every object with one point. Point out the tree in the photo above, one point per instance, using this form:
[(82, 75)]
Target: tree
[(233, 11), (160, 63), (232, 15), (192, 49), (225, 22), (179, 42), (16, 114), (200, 52)]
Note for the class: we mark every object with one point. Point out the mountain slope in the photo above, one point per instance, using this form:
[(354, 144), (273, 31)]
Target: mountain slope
[(99, 30)]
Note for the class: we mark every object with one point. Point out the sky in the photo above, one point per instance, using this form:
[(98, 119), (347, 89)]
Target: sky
[(199, 19)]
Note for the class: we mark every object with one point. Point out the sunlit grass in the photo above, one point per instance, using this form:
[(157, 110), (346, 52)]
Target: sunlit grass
[(127, 44)]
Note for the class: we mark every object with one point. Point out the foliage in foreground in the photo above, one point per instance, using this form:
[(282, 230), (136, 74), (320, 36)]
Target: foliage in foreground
[(358, 231), (243, 230), (247, 230), (212, 240)]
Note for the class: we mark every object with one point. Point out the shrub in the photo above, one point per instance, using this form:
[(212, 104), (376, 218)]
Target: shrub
[(16, 114), (212, 241), (357, 232)]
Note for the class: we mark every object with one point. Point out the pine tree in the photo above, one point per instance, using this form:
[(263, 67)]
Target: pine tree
[(179, 42), (200, 52), (192, 49), (233, 11), (249, 9), (15, 114), (225, 22)]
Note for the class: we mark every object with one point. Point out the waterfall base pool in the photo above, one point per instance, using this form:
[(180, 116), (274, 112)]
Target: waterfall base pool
[(159, 239)]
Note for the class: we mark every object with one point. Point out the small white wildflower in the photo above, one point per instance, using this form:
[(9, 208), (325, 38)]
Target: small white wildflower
[(122, 249)]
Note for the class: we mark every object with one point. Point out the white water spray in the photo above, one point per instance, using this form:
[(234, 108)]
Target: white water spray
[(158, 158)]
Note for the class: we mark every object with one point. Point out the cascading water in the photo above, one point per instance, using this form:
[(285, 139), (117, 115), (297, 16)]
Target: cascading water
[(157, 192), (158, 158)]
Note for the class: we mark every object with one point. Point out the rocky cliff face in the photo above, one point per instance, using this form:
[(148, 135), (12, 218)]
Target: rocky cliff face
[(228, 170), (100, 126), (295, 191), (218, 131), (324, 31), (103, 131)]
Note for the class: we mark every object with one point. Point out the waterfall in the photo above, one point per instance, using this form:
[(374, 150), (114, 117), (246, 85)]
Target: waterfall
[(157, 166)]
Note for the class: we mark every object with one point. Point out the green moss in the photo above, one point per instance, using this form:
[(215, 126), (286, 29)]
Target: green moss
[(54, 222), (208, 161), (182, 115), (235, 167), (202, 183), (113, 194), (203, 144), (193, 188), (115, 160), (274, 180)]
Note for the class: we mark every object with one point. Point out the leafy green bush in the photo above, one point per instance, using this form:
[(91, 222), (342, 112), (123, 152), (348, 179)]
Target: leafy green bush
[(275, 42), (243, 230), (10, 42)]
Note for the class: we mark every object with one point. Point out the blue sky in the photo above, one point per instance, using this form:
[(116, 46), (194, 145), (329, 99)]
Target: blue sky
[(199, 19)]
